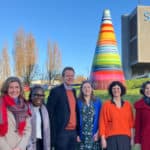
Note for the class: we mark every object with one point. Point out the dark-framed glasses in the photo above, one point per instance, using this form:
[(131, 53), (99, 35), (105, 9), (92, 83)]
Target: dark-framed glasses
[(39, 95)]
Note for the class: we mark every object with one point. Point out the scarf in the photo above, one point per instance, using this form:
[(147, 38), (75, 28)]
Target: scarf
[(147, 100), (20, 112)]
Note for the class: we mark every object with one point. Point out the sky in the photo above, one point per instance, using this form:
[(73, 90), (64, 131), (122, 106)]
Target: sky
[(73, 24)]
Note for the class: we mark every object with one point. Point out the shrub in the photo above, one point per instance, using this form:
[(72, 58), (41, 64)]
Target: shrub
[(135, 83)]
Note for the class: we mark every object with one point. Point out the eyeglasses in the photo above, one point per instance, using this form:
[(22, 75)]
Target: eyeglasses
[(39, 95)]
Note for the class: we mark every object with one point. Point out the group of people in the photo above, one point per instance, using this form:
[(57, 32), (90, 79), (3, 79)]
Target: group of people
[(68, 122)]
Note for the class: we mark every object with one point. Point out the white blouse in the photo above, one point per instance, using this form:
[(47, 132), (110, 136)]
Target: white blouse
[(38, 122)]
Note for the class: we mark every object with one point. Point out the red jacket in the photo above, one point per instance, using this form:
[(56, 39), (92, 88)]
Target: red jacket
[(142, 124)]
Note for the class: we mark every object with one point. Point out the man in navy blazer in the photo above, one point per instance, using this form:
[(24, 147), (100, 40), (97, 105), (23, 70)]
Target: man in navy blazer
[(61, 106)]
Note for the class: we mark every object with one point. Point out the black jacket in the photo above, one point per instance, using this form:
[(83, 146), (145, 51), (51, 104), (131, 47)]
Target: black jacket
[(59, 111)]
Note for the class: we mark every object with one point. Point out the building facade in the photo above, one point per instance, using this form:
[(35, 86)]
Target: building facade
[(136, 43)]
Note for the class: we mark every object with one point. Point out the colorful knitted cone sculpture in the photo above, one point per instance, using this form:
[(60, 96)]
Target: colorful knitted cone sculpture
[(106, 65)]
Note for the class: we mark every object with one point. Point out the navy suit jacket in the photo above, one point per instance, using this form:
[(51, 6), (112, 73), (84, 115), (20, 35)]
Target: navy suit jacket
[(59, 110)]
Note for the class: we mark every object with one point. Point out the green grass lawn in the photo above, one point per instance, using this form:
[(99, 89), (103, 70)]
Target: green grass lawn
[(131, 95)]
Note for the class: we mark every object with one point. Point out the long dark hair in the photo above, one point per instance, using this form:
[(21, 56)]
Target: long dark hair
[(143, 87), (81, 95)]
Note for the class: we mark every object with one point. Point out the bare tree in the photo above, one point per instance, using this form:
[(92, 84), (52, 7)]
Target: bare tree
[(31, 69), (25, 56), (5, 63), (1, 71), (5, 70), (53, 62), (19, 54), (79, 79)]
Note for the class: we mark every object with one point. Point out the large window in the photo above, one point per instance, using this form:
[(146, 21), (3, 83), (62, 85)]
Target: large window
[(141, 70), (133, 27), (133, 51)]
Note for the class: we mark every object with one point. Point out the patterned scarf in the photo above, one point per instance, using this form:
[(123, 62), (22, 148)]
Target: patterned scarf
[(20, 112)]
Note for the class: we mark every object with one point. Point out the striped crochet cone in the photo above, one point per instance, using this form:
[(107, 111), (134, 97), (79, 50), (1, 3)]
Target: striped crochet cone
[(106, 65)]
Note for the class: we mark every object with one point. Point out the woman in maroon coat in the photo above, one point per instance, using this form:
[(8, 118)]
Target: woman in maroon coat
[(142, 118)]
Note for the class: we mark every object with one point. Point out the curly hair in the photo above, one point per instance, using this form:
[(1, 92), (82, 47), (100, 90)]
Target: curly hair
[(114, 83)]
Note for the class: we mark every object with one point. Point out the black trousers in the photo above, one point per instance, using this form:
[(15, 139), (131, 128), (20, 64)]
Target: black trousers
[(118, 142), (39, 144), (66, 140)]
